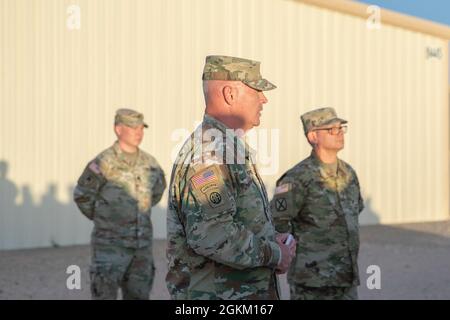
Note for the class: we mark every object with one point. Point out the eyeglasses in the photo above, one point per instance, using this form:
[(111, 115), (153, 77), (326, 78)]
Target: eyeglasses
[(334, 130)]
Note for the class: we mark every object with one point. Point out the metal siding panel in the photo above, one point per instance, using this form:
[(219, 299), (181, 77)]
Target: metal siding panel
[(60, 89)]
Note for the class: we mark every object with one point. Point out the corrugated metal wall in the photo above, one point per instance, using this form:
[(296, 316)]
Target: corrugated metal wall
[(59, 89)]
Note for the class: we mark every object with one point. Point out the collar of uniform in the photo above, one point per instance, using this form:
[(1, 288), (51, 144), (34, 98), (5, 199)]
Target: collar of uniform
[(250, 153), (207, 119), (242, 148), (321, 166), (342, 170), (121, 155)]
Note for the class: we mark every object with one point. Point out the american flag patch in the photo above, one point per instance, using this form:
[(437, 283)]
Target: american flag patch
[(94, 167), (203, 178), (283, 188)]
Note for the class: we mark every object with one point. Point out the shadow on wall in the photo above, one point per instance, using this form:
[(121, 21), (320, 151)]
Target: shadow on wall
[(42, 223), (47, 222)]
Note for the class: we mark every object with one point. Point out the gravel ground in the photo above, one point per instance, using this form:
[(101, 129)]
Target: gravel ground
[(414, 261)]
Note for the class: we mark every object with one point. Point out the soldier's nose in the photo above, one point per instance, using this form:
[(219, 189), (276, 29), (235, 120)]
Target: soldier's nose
[(263, 98)]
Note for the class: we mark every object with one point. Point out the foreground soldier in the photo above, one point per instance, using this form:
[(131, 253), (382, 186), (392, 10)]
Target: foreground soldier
[(221, 240), (319, 201), (117, 190)]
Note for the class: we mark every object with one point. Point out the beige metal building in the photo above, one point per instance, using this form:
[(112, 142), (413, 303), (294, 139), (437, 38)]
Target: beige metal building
[(67, 65)]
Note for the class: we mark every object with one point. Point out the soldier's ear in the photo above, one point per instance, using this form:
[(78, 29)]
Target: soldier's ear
[(118, 130), (229, 95), (312, 137)]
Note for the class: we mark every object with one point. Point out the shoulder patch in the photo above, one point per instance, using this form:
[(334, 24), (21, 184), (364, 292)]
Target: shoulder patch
[(281, 204), (210, 189), (204, 177), (94, 167), (283, 188)]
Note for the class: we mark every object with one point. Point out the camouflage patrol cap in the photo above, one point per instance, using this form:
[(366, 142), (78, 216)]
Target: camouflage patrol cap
[(319, 117), (236, 69), (130, 118)]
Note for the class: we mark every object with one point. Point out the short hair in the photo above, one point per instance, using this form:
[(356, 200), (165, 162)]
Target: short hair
[(205, 88)]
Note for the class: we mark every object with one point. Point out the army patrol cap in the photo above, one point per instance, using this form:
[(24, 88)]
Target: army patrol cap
[(236, 69), (318, 118), (130, 118)]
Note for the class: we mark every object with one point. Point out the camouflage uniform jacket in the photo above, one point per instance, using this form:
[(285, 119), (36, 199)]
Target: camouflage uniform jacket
[(118, 197), (322, 211), (221, 240)]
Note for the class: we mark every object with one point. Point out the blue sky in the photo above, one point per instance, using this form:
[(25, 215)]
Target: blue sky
[(434, 10)]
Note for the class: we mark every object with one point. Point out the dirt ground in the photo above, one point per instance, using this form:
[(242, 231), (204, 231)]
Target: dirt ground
[(414, 261)]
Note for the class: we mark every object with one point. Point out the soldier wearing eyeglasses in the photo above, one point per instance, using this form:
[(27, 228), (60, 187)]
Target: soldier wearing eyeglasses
[(319, 201)]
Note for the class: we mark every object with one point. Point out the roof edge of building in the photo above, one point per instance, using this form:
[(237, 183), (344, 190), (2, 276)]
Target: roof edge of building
[(387, 16)]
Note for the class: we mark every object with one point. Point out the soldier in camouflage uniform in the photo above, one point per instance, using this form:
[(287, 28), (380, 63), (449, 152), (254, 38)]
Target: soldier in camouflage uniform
[(221, 240), (117, 191), (319, 201)]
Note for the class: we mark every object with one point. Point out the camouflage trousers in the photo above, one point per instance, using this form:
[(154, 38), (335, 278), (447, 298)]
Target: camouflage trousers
[(113, 267), (300, 292)]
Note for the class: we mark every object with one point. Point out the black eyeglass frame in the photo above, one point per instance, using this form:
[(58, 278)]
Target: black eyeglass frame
[(340, 129)]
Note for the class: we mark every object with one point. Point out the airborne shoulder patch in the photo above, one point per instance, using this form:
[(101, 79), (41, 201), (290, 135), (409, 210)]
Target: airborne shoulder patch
[(210, 189)]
